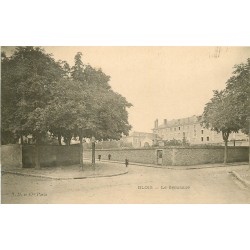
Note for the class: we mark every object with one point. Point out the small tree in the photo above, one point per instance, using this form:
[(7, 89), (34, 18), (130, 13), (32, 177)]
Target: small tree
[(219, 116)]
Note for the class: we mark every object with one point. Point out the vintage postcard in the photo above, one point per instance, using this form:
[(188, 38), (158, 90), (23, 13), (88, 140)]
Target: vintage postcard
[(125, 125)]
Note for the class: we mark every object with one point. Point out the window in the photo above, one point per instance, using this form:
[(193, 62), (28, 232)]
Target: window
[(208, 138), (201, 138), (202, 131), (179, 128)]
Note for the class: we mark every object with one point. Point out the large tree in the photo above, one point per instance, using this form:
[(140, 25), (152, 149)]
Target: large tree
[(238, 90), (84, 105), (229, 110), (27, 79), (41, 95), (219, 116)]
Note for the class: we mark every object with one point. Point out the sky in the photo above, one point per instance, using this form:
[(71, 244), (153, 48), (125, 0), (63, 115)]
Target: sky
[(160, 82)]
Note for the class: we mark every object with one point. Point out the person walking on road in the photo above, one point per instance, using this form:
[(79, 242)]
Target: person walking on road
[(126, 162)]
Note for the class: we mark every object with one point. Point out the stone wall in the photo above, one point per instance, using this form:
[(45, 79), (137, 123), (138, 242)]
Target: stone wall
[(147, 156), (11, 156), (51, 155), (167, 158), (238, 154), (174, 156), (195, 156)]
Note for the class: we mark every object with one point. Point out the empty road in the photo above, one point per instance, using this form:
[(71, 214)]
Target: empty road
[(140, 185)]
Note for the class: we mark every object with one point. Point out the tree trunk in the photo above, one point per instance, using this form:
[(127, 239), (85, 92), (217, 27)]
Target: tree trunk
[(21, 138), (37, 154), (68, 140), (93, 152), (81, 151), (225, 153), (59, 139), (225, 136)]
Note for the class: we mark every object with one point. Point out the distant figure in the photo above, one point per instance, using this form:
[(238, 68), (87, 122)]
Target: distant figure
[(126, 162), (99, 157), (109, 156)]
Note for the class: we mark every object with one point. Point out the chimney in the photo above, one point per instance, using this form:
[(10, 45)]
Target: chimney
[(156, 123), (165, 122)]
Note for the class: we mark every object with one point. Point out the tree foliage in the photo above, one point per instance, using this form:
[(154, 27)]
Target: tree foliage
[(27, 78), (85, 105), (238, 90), (40, 95), (228, 110), (219, 115)]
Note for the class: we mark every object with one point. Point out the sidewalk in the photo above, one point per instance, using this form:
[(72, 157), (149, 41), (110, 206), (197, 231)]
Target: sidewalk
[(201, 166), (70, 172), (103, 168), (243, 176)]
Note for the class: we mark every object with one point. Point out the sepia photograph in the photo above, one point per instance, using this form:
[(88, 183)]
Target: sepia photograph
[(125, 125)]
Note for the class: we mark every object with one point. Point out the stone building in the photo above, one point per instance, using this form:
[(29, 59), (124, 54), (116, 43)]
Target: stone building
[(191, 130), (139, 139)]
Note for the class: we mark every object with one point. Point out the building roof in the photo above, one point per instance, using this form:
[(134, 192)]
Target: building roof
[(141, 135), (182, 121), (136, 133)]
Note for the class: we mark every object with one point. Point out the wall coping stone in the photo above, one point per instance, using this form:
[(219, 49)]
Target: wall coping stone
[(170, 147)]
